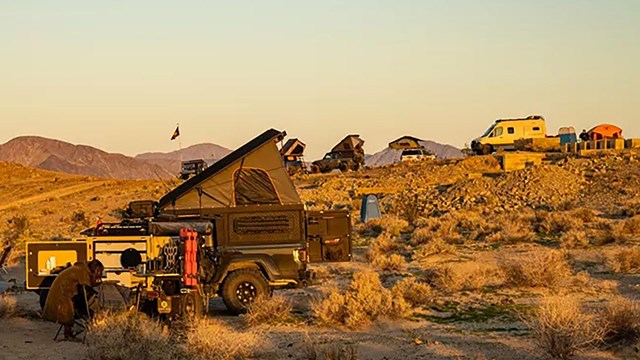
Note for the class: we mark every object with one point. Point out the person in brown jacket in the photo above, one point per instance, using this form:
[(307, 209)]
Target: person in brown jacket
[(59, 306)]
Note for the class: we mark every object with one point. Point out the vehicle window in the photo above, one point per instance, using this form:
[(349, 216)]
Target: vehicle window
[(412, 152), (511, 130), (497, 132), (536, 128), (254, 186)]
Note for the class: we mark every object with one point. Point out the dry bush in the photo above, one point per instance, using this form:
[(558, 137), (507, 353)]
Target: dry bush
[(561, 328), (332, 351), (208, 339), (436, 246), (621, 319), (558, 222), (389, 224), (275, 310), (411, 203), (454, 228), (470, 276), (625, 260), (8, 306), (511, 230), (574, 239), (127, 335), (584, 214), (393, 263), (414, 292), (547, 268), (384, 245), (364, 302), (631, 226)]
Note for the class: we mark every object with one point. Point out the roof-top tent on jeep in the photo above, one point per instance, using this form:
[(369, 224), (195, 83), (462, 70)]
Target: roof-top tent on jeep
[(348, 154)]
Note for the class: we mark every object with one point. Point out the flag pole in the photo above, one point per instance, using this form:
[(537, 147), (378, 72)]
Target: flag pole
[(179, 144)]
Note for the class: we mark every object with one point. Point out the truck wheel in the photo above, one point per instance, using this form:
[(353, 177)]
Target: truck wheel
[(315, 169), (242, 287), (486, 149), (193, 306), (343, 167), (43, 298)]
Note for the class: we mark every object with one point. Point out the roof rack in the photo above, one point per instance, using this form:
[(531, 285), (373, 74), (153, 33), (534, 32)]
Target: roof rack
[(531, 117)]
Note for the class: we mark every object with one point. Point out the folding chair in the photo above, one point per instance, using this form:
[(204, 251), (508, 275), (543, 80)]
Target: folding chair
[(79, 320)]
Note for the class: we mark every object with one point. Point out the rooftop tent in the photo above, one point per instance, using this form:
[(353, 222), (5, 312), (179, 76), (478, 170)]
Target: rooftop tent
[(293, 147), (605, 131), (350, 142), (254, 174), (406, 142)]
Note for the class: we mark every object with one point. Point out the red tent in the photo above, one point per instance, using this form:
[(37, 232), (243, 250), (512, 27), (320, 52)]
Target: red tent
[(605, 131)]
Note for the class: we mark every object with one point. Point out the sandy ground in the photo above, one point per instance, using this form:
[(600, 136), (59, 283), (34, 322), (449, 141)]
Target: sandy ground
[(28, 337)]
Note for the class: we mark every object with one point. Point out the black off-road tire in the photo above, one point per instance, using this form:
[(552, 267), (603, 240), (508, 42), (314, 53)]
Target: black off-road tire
[(343, 166), (315, 169), (486, 150), (241, 287)]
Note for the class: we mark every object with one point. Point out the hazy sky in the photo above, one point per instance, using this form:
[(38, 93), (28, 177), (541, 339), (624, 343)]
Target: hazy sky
[(118, 75)]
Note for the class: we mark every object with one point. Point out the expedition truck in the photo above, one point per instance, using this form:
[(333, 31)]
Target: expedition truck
[(237, 230), (503, 134)]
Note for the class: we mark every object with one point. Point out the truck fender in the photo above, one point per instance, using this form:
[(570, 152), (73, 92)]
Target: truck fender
[(264, 263)]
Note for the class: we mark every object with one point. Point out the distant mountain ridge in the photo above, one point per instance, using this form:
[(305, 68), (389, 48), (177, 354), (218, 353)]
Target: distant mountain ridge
[(390, 156), (56, 155)]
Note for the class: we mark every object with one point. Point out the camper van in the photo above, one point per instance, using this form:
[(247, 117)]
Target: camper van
[(504, 133)]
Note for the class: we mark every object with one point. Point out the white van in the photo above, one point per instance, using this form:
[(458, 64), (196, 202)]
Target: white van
[(504, 133)]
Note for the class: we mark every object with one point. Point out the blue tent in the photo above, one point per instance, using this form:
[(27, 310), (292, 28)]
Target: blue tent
[(370, 208)]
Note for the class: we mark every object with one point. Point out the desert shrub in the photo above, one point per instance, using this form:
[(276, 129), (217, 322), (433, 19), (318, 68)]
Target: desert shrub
[(625, 260), (469, 277), (584, 214), (364, 302), (331, 351), (8, 306), (208, 339), (436, 246), (541, 268), (127, 335), (621, 319), (560, 327), (392, 263), (414, 292), (421, 235), (559, 223), (574, 239), (411, 203), (631, 226), (392, 225), (273, 310), (512, 229), (16, 228)]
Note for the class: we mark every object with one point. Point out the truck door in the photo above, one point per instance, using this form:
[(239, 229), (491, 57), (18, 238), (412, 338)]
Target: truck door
[(328, 236), (43, 257)]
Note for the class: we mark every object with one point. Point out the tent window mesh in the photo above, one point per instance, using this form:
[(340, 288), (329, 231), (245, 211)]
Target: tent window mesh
[(254, 187)]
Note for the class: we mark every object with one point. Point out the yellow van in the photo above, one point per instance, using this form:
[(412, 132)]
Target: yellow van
[(504, 133)]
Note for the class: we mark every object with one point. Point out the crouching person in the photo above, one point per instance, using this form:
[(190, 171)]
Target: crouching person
[(66, 295)]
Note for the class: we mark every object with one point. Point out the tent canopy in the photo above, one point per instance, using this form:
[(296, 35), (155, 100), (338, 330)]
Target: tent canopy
[(293, 147), (349, 143), (254, 174), (406, 142), (605, 131)]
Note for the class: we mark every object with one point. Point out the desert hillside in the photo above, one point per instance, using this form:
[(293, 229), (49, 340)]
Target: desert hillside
[(467, 262)]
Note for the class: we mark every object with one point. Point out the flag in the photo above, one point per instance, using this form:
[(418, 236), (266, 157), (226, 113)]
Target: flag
[(176, 133)]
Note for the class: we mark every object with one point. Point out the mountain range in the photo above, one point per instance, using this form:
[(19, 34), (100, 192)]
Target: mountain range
[(49, 154)]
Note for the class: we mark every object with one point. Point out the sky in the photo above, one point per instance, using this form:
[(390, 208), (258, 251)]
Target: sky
[(119, 75)]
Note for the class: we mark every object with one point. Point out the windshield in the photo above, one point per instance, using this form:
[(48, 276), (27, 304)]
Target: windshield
[(489, 130)]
